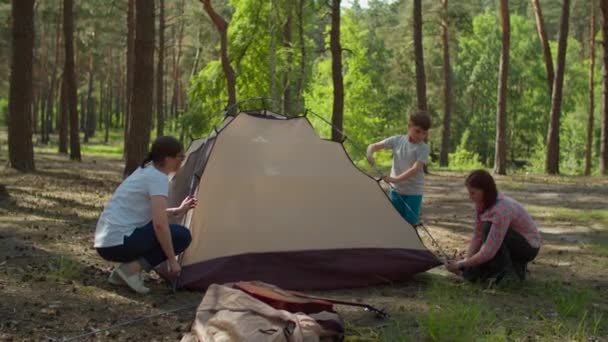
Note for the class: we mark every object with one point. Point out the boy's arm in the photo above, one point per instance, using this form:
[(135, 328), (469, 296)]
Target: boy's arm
[(417, 167), (373, 148)]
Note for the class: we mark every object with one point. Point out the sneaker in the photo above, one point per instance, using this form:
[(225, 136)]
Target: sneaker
[(134, 280), (114, 278)]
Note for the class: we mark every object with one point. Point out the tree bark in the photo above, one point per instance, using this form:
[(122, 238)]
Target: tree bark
[(336, 71), (552, 161), (160, 73), (447, 88), (419, 57), (143, 86), (544, 42), (303, 56), (90, 122), (20, 147), (604, 140), (222, 28), (68, 31), (130, 66), (500, 155), (589, 147), (287, 43), (63, 117), (51, 99)]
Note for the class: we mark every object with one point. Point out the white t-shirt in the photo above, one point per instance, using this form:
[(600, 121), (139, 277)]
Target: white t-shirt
[(405, 154), (130, 206)]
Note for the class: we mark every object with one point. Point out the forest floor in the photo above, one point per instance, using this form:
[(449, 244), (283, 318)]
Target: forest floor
[(53, 284)]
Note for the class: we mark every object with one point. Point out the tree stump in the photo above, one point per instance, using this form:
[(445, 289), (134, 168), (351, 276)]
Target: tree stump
[(4, 195)]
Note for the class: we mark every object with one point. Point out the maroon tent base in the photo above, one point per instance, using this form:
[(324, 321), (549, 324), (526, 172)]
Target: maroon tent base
[(311, 270)]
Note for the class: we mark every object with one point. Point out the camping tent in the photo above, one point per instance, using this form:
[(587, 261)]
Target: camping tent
[(277, 203)]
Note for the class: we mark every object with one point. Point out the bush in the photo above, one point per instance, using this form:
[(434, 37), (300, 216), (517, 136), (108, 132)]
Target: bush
[(462, 158)]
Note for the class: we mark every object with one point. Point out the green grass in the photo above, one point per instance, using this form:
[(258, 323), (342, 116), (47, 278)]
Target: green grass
[(548, 310), (64, 269), (585, 216)]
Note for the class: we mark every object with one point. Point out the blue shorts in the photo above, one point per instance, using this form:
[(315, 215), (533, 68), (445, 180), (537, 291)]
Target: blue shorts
[(407, 205)]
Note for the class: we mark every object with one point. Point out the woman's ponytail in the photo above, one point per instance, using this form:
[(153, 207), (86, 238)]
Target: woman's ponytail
[(148, 159)]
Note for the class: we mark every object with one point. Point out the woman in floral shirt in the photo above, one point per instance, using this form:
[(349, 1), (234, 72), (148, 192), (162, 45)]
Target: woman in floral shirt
[(505, 238)]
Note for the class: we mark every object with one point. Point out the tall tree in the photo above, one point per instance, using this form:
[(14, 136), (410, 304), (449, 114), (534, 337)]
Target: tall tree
[(160, 72), (20, 148), (222, 28), (287, 43), (51, 97), (64, 118), (500, 155), (70, 78), (302, 42), (552, 160), (589, 145), (143, 86), (604, 143), (419, 57), (336, 71), (544, 42), (447, 87), (130, 66)]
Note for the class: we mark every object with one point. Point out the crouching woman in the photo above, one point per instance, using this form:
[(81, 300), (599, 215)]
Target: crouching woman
[(506, 238), (134, 229)]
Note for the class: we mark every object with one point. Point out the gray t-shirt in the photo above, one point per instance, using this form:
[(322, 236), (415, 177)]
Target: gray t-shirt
[(405, 154)]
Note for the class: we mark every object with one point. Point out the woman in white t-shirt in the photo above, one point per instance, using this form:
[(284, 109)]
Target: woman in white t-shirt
[(134, 229)]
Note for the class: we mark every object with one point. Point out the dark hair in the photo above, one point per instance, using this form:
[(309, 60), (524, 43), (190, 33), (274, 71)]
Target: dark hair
[(162, 148), (421, 119), (482, 180)]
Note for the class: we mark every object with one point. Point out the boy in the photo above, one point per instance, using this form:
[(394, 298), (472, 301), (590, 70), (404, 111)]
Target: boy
[(410, 155)]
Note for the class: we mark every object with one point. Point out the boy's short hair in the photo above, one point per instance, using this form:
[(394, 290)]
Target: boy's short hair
[(421, 119)]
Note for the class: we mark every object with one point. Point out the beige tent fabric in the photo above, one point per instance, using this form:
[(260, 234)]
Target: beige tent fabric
[(230, 315), (275, 186)]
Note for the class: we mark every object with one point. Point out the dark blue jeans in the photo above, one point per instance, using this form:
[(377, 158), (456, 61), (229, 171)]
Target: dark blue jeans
[(142, 245)]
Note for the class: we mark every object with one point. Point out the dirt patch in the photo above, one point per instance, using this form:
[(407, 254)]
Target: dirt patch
[(53, 285)]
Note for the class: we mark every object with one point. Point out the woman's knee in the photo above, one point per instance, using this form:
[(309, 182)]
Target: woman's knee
[(181, 237)]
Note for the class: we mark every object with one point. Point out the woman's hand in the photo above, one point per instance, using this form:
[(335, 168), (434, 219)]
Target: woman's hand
[(173, 267), (188, 203), (452, 266)]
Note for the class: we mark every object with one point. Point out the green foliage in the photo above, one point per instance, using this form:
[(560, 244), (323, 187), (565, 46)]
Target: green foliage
[(3, 111), (463, 158)]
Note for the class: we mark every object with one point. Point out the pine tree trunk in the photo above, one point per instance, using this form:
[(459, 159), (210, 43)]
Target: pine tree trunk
[(68, 31), (109, 101), (552, 161), (302, 41), (287, 43), (447, 88), (604, 141), (419, 57), (63, 117), (272, 53), (160, 73), (143, 86), (90, 122), (51, 99), (544, 42), (130, 66), (20, 147), (500, 155), (589, 146), (336, 72), (222, 28)]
